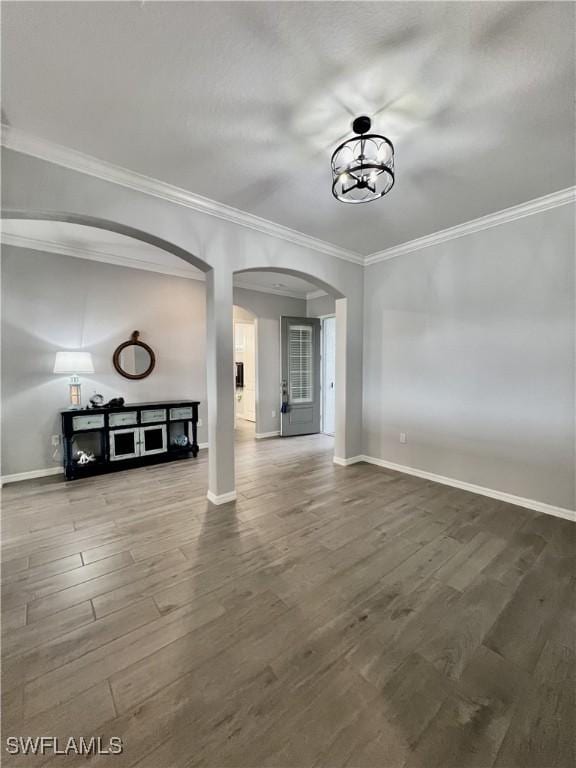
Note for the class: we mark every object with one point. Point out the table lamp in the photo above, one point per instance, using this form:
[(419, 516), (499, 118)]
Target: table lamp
[(74, 363)]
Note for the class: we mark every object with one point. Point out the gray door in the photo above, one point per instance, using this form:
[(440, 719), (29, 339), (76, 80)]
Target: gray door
[(300, 342)]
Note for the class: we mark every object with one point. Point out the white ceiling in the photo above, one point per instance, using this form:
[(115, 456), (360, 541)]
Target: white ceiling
[(110, 247), (244, 102)]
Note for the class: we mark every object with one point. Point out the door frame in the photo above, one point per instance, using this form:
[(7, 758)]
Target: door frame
[(322, 318)]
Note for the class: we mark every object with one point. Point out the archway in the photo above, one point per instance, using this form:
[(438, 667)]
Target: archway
[(111, 226), (342, 340), (223, 257), (121, 232)]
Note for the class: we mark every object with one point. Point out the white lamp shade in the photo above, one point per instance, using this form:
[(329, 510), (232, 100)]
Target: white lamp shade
[(73, 362)]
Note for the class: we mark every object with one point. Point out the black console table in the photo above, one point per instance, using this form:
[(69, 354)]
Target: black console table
[(98, 440)]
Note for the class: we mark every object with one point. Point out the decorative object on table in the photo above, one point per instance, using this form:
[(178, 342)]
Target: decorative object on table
[(116, 402), (133, 359), (84, 458), (181, 441), (363, 166), (97, 400), (74, 363)]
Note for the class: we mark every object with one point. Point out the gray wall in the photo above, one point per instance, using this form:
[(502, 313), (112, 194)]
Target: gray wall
[(268, 309), (52, 302), (323, 305), (469, 349), (34, 185)]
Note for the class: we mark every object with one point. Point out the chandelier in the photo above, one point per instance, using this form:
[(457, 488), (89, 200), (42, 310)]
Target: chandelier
[(363, 166)]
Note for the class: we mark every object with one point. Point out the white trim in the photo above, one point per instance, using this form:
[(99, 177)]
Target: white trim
[(509, 498), (545, 203), (49, 246), (346, 462), (31, 475), (132, 262), (248, 286), (19, 141), (223, 498), (35, 473), (315, 295), (262, 435)]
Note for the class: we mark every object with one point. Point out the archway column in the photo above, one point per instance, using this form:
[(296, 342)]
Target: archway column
[(348, 432), (220, 381)]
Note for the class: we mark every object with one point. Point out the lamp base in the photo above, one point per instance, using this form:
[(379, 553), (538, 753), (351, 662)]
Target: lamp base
[(75, 393)]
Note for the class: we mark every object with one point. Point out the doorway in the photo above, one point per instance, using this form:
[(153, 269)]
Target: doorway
[(300, 351), (329, 374), (244, 367), (284, 390)]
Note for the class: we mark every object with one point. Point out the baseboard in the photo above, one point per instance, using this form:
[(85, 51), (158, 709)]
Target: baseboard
[(346, 462), (224, 498), (519, 501), (32, 475), (262, 435)]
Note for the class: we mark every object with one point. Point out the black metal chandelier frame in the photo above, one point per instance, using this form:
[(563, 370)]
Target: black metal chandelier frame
[(362, 172)]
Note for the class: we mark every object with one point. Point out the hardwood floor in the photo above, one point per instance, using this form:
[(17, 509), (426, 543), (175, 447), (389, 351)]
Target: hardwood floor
[(330, 617)]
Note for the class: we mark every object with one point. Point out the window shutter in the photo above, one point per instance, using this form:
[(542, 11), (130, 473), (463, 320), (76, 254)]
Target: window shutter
[(300, 363)]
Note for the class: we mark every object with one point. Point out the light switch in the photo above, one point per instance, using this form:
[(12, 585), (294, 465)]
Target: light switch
[(403, 438)]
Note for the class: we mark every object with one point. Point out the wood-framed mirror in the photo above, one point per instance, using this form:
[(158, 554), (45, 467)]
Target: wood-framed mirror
[(134, 359)]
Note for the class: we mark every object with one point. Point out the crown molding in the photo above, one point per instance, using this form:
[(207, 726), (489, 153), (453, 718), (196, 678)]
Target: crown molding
[(80, 252), (315, 295), (131, 262), (540, 204), (19, 141)]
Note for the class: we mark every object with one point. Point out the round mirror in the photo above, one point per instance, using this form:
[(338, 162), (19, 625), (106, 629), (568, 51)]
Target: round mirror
[(133, 359)]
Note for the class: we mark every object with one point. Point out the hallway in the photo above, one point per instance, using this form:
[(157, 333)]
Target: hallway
[(331, 616)]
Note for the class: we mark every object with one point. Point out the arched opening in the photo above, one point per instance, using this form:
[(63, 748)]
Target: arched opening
[(219, 354), (111, 226), (93, 312), (290, 412), (309, 277)]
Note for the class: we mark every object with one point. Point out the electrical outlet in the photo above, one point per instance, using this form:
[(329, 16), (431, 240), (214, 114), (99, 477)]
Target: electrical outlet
[(273, 414), (403, 438), (55, 440), (199, 422)]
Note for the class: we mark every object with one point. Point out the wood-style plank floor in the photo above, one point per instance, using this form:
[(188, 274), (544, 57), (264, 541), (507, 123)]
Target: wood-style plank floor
[(330, 617)]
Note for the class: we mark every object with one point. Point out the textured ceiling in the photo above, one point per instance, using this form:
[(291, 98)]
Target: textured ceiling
[(244, 102)]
